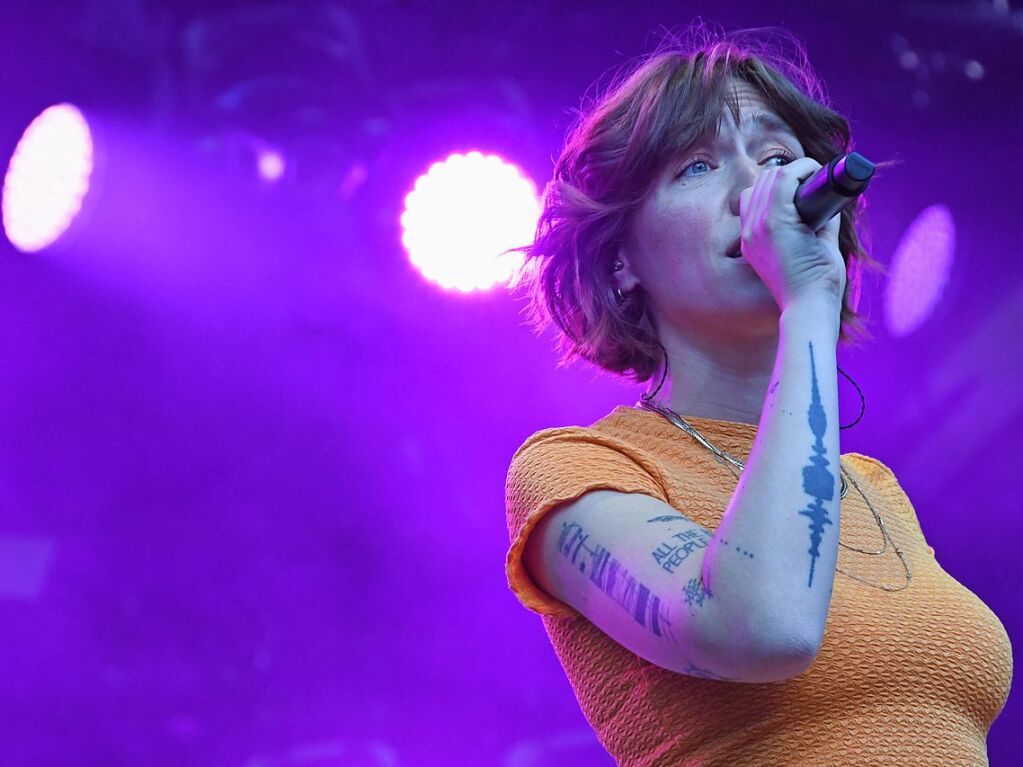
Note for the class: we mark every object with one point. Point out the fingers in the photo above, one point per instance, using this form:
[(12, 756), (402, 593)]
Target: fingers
[(776, 187), (799, 170), (791, 176), (759, 202), (795, 173)]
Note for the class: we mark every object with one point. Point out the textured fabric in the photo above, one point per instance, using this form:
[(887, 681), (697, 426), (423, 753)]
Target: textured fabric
[(913, 677)]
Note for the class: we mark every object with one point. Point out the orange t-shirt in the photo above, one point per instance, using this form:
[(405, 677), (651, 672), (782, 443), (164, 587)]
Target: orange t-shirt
[(911, 677)]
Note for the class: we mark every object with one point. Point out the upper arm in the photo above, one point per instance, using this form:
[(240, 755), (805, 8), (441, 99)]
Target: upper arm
[(633, 566)]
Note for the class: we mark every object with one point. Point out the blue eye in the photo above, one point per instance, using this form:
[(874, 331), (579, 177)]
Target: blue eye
[(786, 156), (691, 165)]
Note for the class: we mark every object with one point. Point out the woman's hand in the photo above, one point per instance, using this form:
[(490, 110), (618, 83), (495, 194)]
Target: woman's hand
[(792, 260)]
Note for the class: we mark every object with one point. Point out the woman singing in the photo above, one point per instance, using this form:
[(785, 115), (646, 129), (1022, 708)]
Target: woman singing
[(721, 585)]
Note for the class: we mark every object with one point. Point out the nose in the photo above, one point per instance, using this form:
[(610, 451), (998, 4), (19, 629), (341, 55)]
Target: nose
[(744, 174)]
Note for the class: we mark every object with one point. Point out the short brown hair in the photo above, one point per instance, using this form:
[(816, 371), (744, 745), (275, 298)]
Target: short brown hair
[(655, 107)]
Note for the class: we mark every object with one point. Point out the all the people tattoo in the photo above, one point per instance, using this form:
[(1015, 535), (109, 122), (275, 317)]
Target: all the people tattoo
[(818, 482), (609, 576), (671, 553), (674, 551)]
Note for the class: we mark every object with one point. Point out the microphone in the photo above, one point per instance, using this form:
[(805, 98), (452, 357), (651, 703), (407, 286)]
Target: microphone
[(832, 188)]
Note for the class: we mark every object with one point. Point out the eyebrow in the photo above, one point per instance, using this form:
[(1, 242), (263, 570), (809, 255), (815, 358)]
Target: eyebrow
[(766, 122)]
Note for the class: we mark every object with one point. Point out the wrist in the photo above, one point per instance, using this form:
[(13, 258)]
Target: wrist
[(818, 311)]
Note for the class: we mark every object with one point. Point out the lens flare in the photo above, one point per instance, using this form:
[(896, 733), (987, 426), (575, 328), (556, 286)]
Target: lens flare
[(920, 270), (270, 164), (47, 178)]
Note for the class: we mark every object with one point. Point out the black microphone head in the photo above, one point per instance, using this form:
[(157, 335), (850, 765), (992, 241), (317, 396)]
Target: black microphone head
[(857, 167), (850, 173)]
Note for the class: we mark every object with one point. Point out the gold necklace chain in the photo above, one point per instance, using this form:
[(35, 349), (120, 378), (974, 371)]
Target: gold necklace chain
[(723, 456)]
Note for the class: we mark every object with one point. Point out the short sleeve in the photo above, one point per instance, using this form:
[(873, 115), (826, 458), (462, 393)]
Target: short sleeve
[(556, 466)]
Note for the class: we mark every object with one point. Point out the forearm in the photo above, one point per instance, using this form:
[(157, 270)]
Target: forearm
[(771, 562)]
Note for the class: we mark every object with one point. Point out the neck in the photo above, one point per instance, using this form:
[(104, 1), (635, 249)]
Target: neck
[(722, 379)]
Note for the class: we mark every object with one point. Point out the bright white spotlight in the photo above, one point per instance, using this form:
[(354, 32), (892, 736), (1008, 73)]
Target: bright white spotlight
[(47, 178), (460, 217), (920, 270)]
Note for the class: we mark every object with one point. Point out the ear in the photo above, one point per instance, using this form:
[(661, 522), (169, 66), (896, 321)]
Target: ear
[(625, 278)]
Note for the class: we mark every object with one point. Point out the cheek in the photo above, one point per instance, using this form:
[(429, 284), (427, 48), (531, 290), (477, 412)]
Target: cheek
[(678, 237), (695, 227)]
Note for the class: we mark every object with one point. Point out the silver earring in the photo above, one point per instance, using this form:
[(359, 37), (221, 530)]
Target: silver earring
[(617, 266)]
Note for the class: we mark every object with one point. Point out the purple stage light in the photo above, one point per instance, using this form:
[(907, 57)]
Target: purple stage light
[(920, 269), (270, 164), (461, 217), (47, 178)]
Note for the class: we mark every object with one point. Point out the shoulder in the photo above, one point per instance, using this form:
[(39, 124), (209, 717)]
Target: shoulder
[(867, 462), (556, 435), (553, 460), (879, 477), (874, 472), (571, 445), (606, 432)]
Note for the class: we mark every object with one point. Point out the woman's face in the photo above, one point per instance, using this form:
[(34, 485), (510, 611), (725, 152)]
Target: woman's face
[(681, 235)]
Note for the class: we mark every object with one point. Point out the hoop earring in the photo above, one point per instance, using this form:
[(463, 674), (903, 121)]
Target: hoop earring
[(664, 375), (863, 401)]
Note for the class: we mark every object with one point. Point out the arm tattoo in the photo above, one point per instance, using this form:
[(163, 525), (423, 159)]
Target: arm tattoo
[(609, 576), (818, 482), (670, 556), (614, 580), (695, 592), (677, 549)]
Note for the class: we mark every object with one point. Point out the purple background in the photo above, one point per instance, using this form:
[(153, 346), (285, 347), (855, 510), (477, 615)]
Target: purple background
[(251, 497)]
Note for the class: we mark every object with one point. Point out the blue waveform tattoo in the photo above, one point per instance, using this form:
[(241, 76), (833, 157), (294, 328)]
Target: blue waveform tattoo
[(818, 482)]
